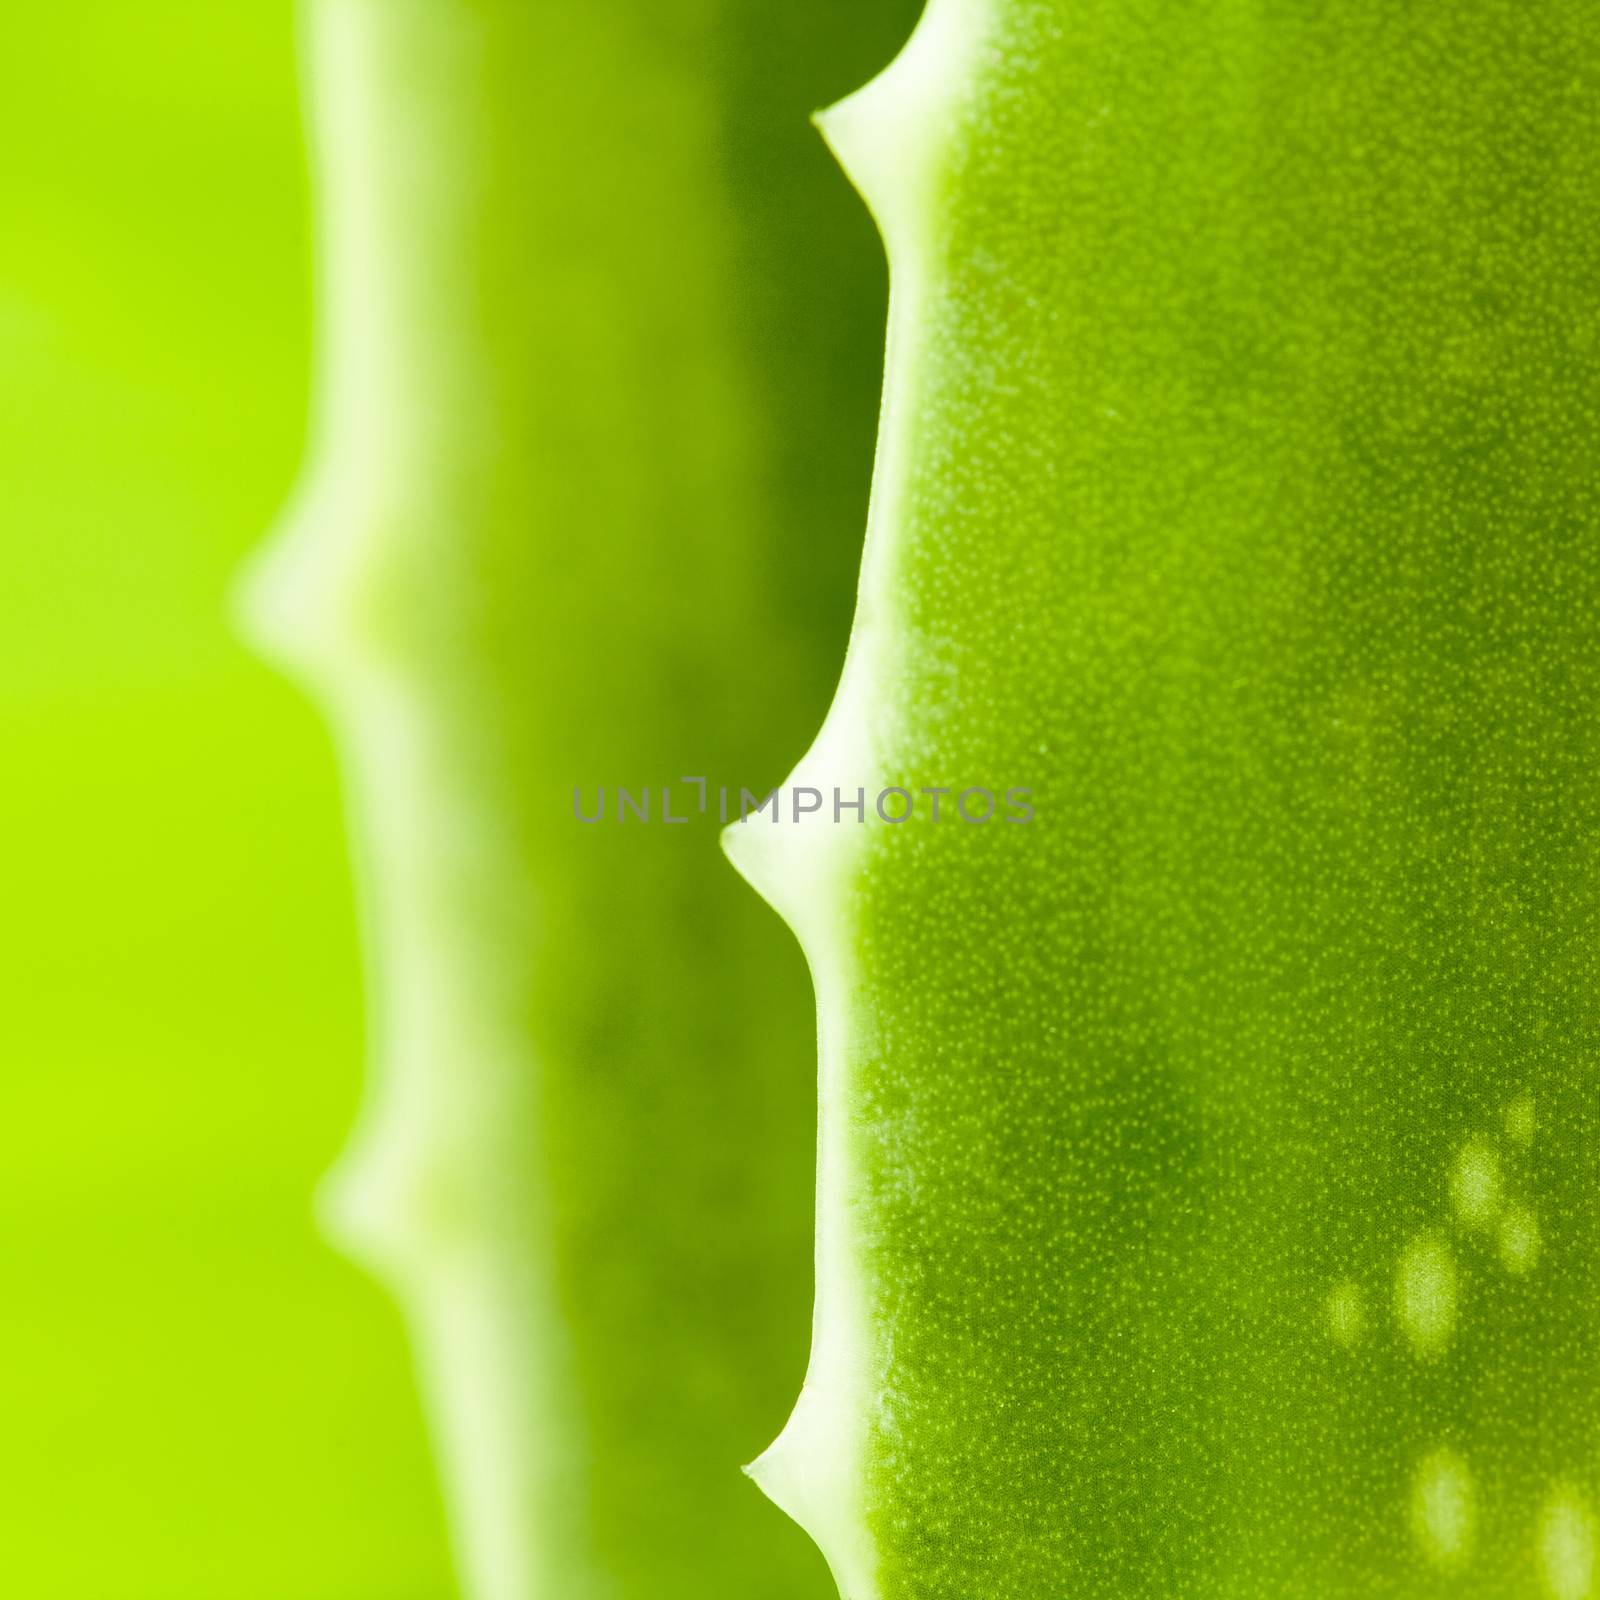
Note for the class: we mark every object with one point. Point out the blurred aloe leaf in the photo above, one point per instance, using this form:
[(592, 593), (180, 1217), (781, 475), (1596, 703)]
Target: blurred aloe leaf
[(1208, 1198), (599, 342)]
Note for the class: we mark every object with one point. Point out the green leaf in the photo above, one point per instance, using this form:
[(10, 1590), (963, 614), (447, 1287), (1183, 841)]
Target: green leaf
[(1208, 1175), (579, 515)]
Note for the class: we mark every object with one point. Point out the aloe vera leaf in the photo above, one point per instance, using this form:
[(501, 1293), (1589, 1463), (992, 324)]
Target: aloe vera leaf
[(1209, 1167), (540, 546)]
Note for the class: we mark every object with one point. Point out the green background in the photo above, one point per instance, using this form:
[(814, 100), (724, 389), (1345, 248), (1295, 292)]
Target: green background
[(197, 1397)]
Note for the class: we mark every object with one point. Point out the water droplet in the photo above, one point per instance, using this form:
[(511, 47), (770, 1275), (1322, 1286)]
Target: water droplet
[(1442, 1512), (1519, 1239), (1567, 1546), (1425, 1294), (1347, 1314), (1475, 1183)]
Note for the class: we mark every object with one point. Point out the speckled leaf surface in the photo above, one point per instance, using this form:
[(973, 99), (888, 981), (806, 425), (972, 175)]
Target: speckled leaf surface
[(1209, 1171)]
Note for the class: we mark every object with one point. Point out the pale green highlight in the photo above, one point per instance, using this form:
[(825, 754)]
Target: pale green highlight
[(1475, 1183), (1519, 1241), (1521, 1121), (1426, 1287), (1567, 1546), (1443, 1513), (1347, 1314)]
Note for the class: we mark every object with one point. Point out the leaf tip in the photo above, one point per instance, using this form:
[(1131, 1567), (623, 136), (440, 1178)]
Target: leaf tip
[(888, 135), (274, 602), (804, 1473)]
